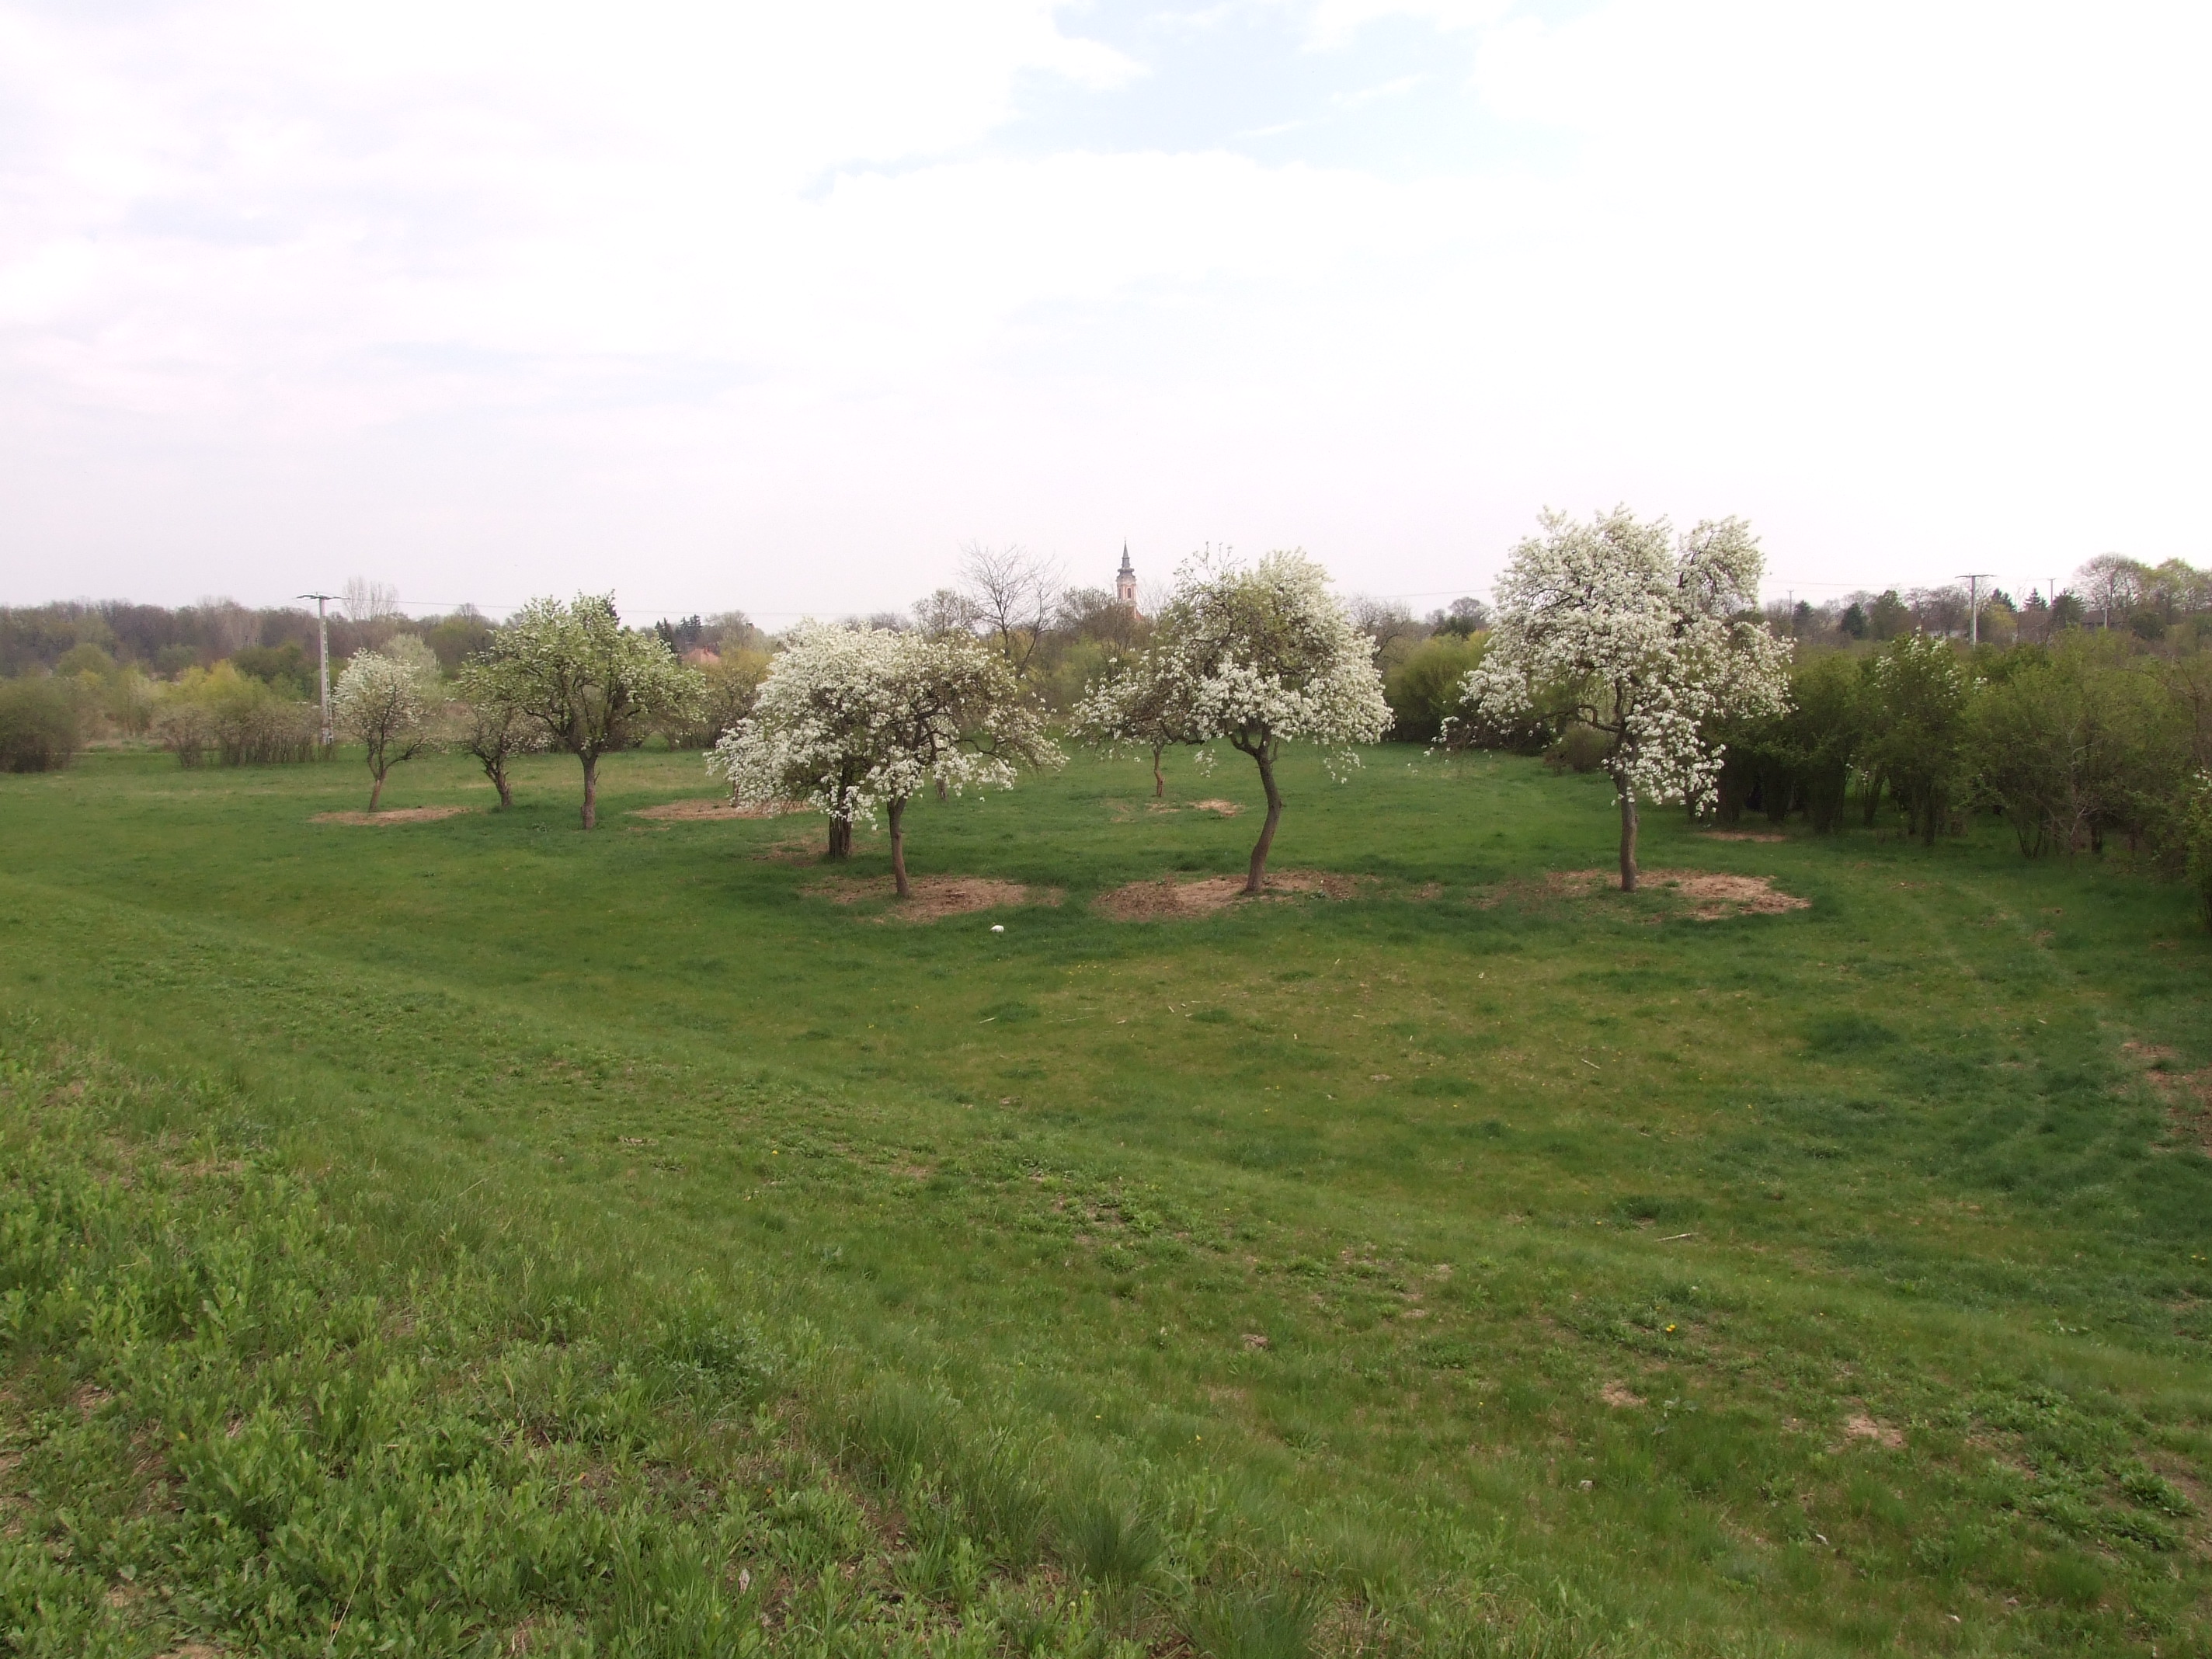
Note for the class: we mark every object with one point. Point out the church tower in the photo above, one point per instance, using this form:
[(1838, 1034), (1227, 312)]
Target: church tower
[(1125, 582)]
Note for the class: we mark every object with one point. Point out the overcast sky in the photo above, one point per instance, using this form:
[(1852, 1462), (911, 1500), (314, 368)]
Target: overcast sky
[(773, 305)]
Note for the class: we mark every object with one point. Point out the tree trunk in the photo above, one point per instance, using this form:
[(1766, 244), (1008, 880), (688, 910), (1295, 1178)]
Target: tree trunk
[(840, 839), (1627, 837), (591, 792), (898, 849), (1159, 781), (506, 789), (1257, 879), (375, 790)]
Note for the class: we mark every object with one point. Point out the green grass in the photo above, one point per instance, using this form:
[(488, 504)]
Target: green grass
[(1458, 1268)]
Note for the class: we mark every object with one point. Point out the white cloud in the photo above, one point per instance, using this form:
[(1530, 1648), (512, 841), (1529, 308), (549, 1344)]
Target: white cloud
[(743, 306)]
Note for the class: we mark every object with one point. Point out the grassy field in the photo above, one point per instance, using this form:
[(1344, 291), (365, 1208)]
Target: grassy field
[(476, 1236)]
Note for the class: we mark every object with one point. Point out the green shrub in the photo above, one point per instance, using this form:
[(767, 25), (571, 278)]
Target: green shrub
[(37, 725), (225, 715), (281, 667), (1424, 689), (732, 685), (1919, 692), (2198, 840), (1579, 748)]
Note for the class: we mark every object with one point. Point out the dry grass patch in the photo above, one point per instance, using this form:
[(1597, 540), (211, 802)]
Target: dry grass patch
[(2188, 1095), (1123, 812), (812, 848), (1712, 896), (1742, 835), (689, 810), (396, 815), (1860, 1426), (934, 896), (1168, 899)]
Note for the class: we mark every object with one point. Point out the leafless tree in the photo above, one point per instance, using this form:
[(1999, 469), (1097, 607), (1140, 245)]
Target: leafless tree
[(228, 626), (1092, 613), (1939, 610), (1014, 594), (1386, 621), (2110, 582), (948, 611), (366, 601)]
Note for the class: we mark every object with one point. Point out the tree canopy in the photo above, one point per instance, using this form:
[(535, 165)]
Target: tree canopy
[(855, 722), (387, 704), (1623, 627), (1262, 655), (590, 684)]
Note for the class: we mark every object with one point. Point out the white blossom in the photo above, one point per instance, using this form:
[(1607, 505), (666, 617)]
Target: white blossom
[(858, 721), (586, 682), (1620, 625), (386, 704), (1260, 656)]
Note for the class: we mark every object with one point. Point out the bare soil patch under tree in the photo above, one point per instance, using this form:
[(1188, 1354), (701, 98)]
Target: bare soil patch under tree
[(933, 896), (396, 815), (1169, 898)]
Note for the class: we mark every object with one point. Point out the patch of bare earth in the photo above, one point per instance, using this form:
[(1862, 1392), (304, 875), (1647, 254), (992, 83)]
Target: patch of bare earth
[(811, 848), (1169, 900), (689, 810), (933, 896), (1220, 809), (1616, 1395), (1741, 835), (2188, 1095), (1712, 896), (1860, 1426), (396, 815)]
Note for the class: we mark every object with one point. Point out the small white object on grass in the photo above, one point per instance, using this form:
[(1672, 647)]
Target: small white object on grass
[(997, 927)]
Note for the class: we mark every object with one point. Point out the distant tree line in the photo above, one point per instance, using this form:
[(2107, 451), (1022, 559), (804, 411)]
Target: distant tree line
[(2167, 604), (2091, 737), (2090, 728), (2079, 721)]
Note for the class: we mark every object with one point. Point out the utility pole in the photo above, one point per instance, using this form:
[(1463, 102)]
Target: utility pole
[(323, 630), (1974, 578)]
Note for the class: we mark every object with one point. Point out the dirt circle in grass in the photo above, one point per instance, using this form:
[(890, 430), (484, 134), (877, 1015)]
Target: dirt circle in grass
[(1712, 895), (933, 896), (1168, 899), (396, 815), (717, 808)]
